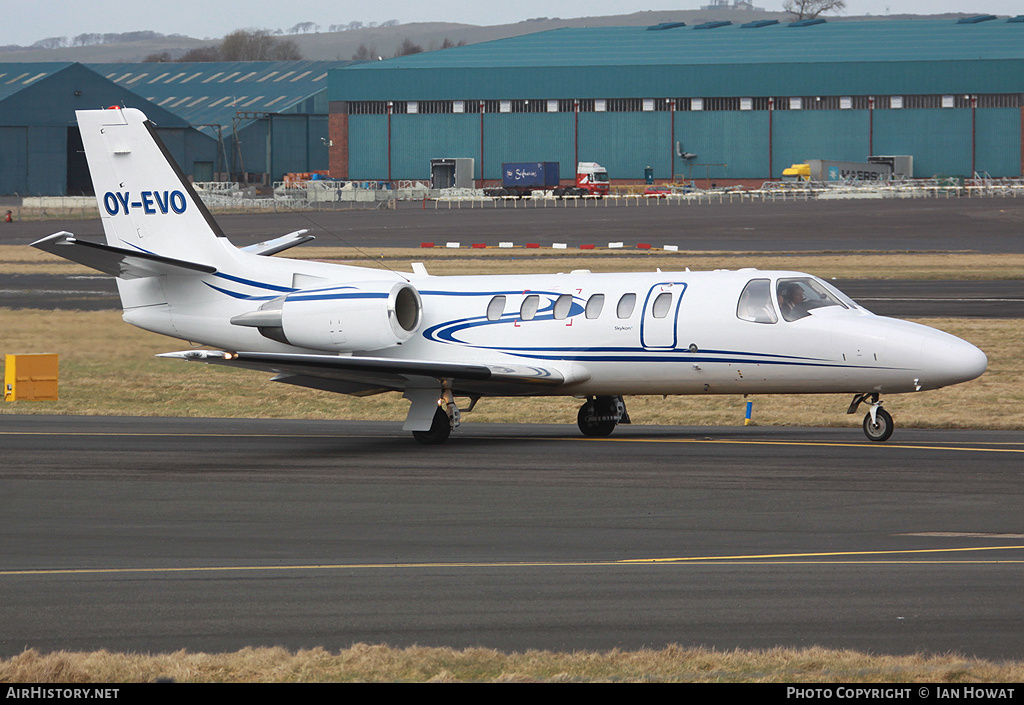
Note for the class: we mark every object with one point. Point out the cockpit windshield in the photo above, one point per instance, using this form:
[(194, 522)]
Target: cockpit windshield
[(798, 296)]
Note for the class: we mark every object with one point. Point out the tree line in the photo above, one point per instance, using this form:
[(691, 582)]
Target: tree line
[(406, 48), (88, 39), (240, 45), (262, 45)]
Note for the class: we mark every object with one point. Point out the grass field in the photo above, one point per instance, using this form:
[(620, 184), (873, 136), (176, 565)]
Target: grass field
[(109, 368), (364, 663)]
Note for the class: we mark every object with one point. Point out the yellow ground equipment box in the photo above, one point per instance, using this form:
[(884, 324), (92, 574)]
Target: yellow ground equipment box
[(30, 377)]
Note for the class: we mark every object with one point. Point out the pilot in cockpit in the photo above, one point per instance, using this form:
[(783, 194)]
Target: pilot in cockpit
[(792, 301)]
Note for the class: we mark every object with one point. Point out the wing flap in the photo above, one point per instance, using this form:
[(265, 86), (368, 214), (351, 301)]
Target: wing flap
[(379, 373), (116, 261)]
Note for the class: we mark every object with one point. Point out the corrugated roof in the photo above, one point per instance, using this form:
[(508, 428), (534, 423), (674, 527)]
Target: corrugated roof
[(17, 76), (40, 94), (205, 93), (824, 42)]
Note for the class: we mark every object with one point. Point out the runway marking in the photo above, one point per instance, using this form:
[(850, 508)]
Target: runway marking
[(831, 444), (775, 556), (173, 434), (944, 299), (720, 441), (754, 559), (36, 292), (964, 534)]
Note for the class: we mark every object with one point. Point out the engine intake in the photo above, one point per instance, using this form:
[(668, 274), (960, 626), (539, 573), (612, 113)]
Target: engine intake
[(363, 316)]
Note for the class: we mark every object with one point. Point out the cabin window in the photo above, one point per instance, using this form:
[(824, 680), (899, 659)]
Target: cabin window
[(625, 307), (563, 304), (756, 302), (662, 305), (529, 308), (495, 308), (594, 305), (797, 297)]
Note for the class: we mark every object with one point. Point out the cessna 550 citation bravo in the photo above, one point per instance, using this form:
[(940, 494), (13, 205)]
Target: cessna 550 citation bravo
[(361, 331)]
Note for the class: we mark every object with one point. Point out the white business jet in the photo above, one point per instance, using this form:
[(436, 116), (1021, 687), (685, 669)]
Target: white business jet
[(362, 331)]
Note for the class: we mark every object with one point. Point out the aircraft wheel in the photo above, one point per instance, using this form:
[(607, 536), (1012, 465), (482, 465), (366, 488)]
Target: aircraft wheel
[(440, 429), (590, 425), (881, 429)]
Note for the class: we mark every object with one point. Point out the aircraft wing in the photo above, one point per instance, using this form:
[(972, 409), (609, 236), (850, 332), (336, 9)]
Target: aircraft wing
[(116, 261), (363, 376)]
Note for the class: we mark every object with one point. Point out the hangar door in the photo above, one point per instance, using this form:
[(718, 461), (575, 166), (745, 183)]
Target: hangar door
[(79, 179), (14, 161)]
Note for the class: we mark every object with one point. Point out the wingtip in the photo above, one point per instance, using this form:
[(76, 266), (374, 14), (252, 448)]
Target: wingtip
[(57, 238)]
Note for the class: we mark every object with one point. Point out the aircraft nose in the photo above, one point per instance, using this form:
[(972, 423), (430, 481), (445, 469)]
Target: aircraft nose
[(946, 359)]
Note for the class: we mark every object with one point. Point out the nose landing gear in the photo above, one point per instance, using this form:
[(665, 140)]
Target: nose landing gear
[(880, 428), (600, 415), (878, 423)]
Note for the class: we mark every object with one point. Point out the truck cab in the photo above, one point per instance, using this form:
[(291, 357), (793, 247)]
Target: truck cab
[(797, 172), (592, 178)]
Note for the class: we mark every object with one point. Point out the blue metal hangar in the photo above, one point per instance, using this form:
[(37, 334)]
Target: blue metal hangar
[(246, 121), (267, 118), (40, 146), (726, 101)]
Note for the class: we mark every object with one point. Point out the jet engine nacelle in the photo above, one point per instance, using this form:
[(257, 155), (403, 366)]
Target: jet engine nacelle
[(364, 316)]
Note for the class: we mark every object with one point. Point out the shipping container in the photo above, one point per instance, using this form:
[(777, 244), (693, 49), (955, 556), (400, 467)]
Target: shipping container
[(538, 175)]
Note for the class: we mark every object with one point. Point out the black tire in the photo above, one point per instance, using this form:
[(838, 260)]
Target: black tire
[(440, 429), (589, 425), (882, 429)]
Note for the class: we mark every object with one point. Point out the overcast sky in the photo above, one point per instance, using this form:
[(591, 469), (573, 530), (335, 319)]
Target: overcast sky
[(28, 21)]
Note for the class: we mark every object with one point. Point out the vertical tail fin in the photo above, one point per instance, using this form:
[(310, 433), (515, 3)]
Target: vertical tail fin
[(145, 201)]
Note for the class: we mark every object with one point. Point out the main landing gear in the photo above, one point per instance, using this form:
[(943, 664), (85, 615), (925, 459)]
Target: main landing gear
[(445, 417), (440, 429), (600, 415), (878, 424)]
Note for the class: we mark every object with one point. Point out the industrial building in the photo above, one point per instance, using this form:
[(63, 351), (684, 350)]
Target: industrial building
[(718, 100), (268, 118), (245, 121), (40, 146)]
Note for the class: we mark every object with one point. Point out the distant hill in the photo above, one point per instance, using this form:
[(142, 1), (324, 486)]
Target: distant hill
[(384, 41)]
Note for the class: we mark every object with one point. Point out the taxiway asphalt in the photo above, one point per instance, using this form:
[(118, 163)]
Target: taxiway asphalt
[(986, 225), (155, 534)]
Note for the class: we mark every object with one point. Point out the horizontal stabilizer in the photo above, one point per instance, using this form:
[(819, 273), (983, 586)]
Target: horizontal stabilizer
[(279, 244), (395, 374), (117, 261)]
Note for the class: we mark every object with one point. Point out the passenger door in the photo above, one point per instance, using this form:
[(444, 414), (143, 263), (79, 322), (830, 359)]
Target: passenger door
[(658, 326)]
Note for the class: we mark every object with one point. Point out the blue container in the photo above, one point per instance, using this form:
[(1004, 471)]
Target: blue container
[(530, 174)]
